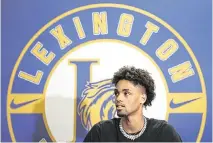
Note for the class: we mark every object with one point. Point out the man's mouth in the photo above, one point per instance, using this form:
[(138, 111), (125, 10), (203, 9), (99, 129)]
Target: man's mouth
[(120, 106)]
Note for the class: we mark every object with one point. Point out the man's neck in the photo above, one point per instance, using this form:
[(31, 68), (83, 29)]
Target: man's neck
[(133, 123)]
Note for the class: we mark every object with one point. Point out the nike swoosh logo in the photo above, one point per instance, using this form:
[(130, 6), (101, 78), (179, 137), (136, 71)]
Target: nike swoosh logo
[(15, 106), (176, 105)]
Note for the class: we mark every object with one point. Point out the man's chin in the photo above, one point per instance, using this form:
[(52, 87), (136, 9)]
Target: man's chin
[(119, 114)]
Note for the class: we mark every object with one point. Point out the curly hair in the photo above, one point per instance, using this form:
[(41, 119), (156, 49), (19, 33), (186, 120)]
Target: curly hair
[(137, 77)]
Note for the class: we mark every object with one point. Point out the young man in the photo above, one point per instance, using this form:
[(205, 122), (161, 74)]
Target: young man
[(134, 90)]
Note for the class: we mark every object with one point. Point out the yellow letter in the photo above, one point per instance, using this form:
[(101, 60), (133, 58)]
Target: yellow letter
[(181, 71), (34, 79), (100, 24), (167, 49), (125, 25), (63, 40), (79, 27), (41, 53), (149, 31)]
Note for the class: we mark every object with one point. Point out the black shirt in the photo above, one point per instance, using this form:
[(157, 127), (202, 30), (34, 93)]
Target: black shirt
[(109, 131)]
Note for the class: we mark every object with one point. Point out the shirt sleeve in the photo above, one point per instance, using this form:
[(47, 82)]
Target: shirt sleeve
[(93, 135), (169, 134)]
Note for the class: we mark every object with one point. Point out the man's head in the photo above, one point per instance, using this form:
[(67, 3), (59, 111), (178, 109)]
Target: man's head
[(134, 89)]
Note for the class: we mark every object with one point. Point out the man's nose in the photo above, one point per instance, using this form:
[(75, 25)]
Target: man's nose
[(119, 97)]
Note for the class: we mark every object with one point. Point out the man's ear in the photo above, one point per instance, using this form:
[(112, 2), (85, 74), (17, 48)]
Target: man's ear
[(143, 98)]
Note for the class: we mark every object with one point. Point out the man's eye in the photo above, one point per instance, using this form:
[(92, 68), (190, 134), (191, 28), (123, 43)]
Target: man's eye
[(126, 93), (116, 93)]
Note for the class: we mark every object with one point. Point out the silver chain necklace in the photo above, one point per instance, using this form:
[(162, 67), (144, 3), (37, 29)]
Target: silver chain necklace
[(133, 137)]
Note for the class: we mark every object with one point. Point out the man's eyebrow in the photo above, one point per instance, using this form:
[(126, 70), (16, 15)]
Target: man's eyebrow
[(116, 90), (126, 90)]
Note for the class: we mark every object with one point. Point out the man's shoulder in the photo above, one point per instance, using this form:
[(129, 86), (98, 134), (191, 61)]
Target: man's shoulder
[(165, 131), (157, 123), (106, 125), (160, 125), (112, 121)]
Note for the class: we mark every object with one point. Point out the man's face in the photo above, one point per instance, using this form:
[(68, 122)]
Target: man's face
[(129, 98)]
